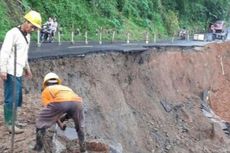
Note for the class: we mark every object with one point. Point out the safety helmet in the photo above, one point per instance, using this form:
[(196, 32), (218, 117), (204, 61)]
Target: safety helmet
[(34, 18), (51, 77)]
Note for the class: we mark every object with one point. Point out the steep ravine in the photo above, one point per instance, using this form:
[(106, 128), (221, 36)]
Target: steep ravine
[(146, 102)]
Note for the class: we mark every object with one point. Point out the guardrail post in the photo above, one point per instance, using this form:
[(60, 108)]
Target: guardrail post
[(154, 37), (72, 37), (38, 38), (86, 37), (173, 38), (128, 35), (59, 38), (100, 37), (113, 36), (146, 37), (187, 36)]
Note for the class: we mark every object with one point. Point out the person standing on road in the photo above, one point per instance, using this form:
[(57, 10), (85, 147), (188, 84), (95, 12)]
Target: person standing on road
[(16, 40), (60, 103), (54, 27)]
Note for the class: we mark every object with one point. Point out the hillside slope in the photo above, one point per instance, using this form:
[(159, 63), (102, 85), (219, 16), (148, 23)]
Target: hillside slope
[(160, 18)]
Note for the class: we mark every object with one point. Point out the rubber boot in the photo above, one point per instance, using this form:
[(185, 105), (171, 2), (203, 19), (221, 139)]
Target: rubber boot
[(7, 114), (81, 137), (82, 147), (40, 133), (8, 119)]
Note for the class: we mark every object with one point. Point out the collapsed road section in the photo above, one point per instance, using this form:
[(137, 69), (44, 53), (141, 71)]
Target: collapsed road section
[(138, 102), (49, 50)]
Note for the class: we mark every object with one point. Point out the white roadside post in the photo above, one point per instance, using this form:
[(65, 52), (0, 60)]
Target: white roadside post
[(100, 36), (72, 37), (146, 37), (59, 38), (78, 33), (38, 38), (86, 37), (72, 34), (173, 37), (187, 35), (128, 35), (154, 37), (113, 36)]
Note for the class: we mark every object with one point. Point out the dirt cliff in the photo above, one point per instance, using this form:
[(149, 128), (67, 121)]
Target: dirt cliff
[(142, 102)]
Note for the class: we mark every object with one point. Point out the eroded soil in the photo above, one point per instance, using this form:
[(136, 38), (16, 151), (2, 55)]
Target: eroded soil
[(145, 102)]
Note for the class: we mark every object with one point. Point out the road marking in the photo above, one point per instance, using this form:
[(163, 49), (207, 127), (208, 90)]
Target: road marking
[(80, 46), (130, 44)]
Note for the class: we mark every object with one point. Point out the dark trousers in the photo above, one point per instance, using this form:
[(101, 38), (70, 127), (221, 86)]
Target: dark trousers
[(9, 96), (50, 114)]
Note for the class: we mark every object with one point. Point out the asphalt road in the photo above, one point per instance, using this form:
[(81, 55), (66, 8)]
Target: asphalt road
[(54, 50)]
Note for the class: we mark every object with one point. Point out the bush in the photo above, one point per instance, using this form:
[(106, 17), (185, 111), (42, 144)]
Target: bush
[(163, 17)]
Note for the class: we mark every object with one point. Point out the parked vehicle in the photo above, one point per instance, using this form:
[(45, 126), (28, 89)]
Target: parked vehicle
[(219, 30)]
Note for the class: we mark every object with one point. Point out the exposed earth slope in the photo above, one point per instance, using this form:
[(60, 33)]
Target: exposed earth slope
[(142, 102)]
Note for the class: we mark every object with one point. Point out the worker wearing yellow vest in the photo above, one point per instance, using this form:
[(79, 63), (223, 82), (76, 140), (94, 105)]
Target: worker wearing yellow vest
[(59, 101), (16, 43)]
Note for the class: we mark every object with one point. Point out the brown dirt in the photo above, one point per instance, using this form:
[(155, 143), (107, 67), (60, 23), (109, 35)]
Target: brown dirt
[(124, 95)]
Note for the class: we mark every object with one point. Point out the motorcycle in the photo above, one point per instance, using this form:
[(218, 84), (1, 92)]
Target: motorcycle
[(183, 34), (46, 34)]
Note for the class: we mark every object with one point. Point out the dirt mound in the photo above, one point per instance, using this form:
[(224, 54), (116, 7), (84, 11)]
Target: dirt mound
[(140, 102)]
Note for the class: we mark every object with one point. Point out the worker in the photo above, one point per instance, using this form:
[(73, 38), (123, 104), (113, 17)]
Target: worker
[(16, 41), (58, 100)]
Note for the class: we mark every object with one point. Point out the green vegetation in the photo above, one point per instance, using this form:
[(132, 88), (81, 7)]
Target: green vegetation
[(158, 17), (5, 21)]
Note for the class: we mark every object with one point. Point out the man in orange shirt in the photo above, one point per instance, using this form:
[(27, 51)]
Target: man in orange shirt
[(58, 100)]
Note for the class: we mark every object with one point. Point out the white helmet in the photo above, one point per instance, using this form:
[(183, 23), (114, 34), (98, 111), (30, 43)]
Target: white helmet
[(51, 77)]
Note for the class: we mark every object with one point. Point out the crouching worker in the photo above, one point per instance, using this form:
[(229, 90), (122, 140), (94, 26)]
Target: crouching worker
[(60, 103)]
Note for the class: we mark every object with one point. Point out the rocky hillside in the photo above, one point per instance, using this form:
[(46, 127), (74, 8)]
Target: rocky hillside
[(142, 102)]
